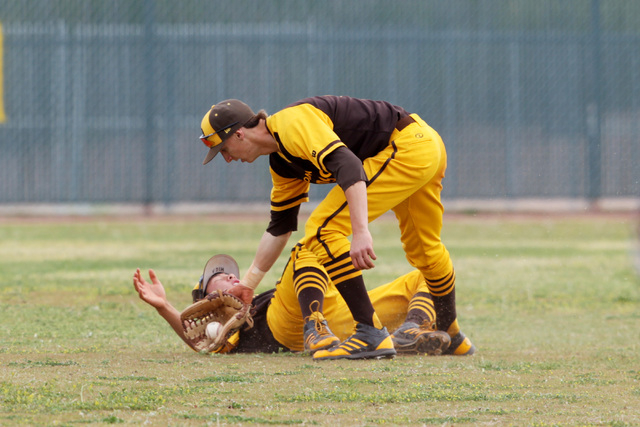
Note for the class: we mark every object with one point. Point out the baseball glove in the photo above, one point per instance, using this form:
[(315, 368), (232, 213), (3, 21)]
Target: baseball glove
[(220, 307)]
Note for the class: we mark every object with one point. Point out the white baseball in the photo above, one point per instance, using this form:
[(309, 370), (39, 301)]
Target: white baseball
[(213, 330)]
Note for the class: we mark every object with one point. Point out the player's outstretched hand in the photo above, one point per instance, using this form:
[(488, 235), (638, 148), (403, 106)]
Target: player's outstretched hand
[(242, 292), (152, 293), (362, 254)]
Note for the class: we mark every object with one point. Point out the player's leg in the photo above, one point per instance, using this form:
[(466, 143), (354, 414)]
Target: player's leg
[(410, 183), (326, 234), (310, 282), (420, 220), (394, 174), (440, 279), (284, 316), (405, 307)]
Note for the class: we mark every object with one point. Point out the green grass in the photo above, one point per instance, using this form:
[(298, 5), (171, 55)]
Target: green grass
[(553, 305)]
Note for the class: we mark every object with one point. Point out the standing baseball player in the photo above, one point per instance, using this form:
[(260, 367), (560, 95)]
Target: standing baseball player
[(382, 158)]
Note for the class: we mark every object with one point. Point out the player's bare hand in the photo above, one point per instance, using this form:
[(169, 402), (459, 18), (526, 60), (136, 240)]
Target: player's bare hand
[(152, 293), (362, 254), (242, 292)]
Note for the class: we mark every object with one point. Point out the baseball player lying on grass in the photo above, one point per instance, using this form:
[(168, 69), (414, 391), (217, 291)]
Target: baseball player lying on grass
[(404, 306)]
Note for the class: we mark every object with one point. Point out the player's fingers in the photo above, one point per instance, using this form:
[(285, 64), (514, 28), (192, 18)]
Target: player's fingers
[(242, 292), (359, 260), (136, 279), (139, 286), (367, 263), (354, 261), (362, 260), (360, 263), (153, 277)]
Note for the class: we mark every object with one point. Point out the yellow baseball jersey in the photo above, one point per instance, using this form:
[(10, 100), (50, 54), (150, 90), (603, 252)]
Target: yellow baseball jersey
[(399, 156), (308, 132)]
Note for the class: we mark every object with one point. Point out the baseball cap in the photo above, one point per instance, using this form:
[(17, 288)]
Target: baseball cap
[(217, 264), (220, 122)]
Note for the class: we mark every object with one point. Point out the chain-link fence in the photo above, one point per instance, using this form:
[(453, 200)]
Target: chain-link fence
[(102, 101)]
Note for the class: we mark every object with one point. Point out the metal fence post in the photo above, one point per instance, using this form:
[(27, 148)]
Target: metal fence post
[(149, 135), (594, 107)]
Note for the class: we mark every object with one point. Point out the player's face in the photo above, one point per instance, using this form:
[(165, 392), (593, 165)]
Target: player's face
[(221, 282), (239, 149)]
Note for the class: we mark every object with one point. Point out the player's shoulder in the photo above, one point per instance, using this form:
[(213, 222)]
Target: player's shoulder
[(326, 103), (299, 115)]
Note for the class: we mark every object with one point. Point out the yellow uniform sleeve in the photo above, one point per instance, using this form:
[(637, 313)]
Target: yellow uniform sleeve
[(287, 193), (305, 132)]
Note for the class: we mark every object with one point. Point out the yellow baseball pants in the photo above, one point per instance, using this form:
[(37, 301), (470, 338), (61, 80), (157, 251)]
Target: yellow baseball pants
[(406, 177), (391, 302)]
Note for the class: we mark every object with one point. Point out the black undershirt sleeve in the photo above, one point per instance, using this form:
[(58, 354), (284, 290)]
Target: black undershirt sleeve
[(284, 221), (346, 167)]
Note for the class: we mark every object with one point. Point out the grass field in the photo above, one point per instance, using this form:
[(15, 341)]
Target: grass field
[(551, 304)]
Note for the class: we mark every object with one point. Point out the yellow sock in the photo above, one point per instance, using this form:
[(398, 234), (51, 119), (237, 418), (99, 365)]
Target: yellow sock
[(376, 321), (454, 329)]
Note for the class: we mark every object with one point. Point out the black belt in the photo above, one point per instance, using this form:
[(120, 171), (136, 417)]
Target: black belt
[(404, 122)]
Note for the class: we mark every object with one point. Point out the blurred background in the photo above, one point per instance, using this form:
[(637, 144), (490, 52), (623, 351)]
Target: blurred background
[(101, 101)]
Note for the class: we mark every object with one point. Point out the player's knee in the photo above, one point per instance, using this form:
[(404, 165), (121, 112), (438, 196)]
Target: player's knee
[(435, 267)]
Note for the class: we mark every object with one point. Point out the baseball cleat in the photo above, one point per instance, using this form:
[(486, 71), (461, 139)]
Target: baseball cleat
[(366, 343), (411, 338), (460, 346), (317, 335)]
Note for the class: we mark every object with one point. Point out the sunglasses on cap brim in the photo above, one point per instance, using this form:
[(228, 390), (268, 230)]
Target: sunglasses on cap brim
[(205, 138)]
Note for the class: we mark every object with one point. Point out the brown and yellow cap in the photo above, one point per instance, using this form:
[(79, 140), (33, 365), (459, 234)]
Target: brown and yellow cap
[(217, 264), (220, 122)]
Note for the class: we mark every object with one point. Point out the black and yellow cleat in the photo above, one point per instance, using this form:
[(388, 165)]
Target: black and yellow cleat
[(410, 338), (317, 335), (366, 343), (460, 346)]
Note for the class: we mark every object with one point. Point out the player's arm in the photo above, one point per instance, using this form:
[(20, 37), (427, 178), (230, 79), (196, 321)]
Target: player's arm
[(269, 249), (350, 175), (286, 196), (362, 252), (154, 294)]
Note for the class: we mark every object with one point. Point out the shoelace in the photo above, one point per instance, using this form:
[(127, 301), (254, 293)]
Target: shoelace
[(414, 332), (320, 327), (429, 325)]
